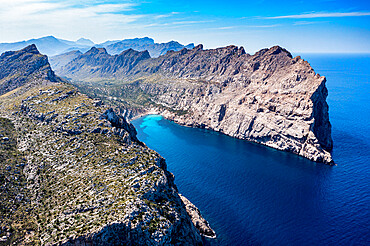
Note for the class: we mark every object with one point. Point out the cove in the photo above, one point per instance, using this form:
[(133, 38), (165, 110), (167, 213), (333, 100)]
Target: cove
[(255, 195)]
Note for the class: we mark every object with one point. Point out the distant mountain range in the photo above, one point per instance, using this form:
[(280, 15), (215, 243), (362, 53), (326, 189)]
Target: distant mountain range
[(141, 44), (52, 46)]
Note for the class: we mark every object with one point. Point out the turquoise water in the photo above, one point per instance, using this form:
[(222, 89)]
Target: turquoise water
[(254, 195)]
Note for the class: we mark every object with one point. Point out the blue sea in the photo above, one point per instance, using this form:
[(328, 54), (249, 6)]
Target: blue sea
[(254, 195)]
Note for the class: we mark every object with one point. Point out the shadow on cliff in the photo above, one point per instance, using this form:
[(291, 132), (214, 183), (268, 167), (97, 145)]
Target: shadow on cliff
[(113, 234)]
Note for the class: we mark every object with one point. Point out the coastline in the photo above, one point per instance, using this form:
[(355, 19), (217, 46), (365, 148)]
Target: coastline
[(172, 117)]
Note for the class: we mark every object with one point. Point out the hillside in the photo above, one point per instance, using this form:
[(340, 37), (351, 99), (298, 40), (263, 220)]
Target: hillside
[(72, 171)]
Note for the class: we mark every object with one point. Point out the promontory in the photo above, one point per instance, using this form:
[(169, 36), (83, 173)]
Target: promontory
[(270, 98)]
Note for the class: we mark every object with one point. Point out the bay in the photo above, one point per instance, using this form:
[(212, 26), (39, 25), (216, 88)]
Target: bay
[(255, 195)]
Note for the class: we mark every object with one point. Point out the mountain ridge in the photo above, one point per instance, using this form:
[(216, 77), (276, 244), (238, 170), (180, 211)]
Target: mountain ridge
[(53, 46)]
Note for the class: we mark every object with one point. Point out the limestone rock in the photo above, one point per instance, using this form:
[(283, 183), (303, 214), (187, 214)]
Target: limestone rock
[(200, 223)]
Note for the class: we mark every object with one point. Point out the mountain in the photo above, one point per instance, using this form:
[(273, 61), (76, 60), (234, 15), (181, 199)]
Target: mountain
[(142, 44), (113, 47), (136, 41), (269, 98), (58, 61), (89, 63), (72, 171), (47, 45), (52, 46), (85, 41), (24, 68)]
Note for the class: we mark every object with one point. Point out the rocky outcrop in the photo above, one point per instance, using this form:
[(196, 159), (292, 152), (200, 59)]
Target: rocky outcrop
[(269, 98), (72, 171), (200, 223)]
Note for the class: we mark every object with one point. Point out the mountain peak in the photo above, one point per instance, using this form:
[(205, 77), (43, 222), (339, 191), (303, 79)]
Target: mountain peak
[(85, 41), (198, 47), (95, 50), (133, 52), (22, 68), (277, 49), (147, 39), (31, 49), (46, 38)]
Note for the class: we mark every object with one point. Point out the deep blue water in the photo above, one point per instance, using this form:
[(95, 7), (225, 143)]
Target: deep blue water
[(254, 195)]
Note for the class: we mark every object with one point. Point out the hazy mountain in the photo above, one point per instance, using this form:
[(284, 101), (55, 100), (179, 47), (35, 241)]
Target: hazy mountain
[(52, 46), (141, 44), (49, 45), (58, 61), (84, 41), (140, 41), (116, 47)]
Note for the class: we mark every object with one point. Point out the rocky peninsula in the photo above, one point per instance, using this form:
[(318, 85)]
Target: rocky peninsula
[(269, 98)]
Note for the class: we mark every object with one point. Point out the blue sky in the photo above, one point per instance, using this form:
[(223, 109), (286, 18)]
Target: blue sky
[(325, 26)]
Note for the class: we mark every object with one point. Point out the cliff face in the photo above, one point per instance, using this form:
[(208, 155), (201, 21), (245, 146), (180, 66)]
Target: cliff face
[(72, 171), (26, 66), (269, 97)]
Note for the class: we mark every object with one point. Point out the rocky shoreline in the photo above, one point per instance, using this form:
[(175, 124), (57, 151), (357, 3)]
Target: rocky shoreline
[(199, 222)]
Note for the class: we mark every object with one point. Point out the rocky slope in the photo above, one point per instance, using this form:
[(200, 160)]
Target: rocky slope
[(270, 97), (72, 171)]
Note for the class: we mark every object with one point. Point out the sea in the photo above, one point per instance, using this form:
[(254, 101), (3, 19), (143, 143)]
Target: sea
[(255, 195)]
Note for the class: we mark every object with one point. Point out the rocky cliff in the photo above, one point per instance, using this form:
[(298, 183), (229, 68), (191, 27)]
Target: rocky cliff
[(270, 97), (72, 171), (23, 68)]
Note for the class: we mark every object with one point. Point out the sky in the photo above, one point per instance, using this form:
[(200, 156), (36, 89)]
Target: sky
[(315, 26)]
